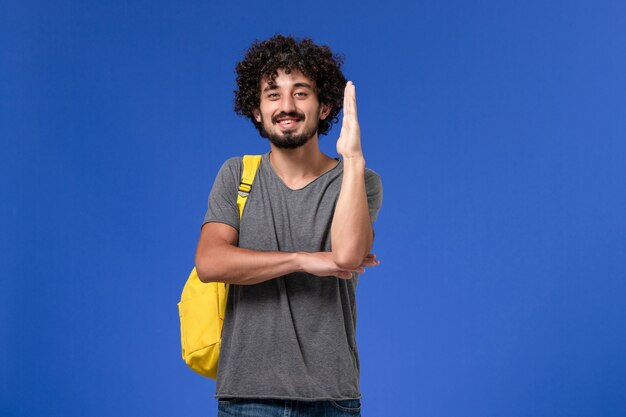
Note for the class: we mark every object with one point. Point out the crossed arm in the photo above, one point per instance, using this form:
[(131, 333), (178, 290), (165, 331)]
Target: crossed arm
[(218, 258)]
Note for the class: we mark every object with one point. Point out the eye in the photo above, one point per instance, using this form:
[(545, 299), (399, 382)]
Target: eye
[(272, 96), (301, 94)]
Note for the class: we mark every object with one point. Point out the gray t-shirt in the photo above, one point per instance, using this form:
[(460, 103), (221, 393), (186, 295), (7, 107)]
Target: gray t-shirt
[(292, 337)]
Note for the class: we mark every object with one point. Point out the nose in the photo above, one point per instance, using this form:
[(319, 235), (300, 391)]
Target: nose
[(287, 103)]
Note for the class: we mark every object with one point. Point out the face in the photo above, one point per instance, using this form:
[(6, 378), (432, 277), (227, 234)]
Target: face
[(289, 111)]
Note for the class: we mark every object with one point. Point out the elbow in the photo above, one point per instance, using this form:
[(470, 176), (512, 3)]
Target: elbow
[(350, 256), (347, 261), (207, 270)]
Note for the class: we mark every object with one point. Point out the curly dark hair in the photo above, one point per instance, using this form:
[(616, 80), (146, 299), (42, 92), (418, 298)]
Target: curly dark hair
[(317, 62)]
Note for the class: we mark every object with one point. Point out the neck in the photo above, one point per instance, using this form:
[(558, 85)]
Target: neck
[(300, 165)]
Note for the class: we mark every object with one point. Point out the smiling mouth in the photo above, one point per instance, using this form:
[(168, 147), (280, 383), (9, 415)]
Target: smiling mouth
[(287, 123), (287, 120)]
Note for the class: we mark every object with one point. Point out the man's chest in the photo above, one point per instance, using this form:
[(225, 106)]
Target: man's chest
[(279, 219)]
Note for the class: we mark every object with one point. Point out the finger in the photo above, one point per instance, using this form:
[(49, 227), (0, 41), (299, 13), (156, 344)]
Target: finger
[(343, 274), (370, 260), (349, 109), (370, 263), (349, 100), (347, 273), (346, 93), (353, 104)]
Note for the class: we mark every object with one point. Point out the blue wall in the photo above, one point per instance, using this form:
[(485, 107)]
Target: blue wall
[(499, 128)]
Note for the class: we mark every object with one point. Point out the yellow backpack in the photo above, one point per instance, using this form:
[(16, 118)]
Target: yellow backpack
[(202, 305)]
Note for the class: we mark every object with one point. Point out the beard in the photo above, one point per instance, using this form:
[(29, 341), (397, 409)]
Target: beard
[(289, 140)]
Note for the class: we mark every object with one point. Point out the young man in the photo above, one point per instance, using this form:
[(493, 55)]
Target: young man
[(288, 342)]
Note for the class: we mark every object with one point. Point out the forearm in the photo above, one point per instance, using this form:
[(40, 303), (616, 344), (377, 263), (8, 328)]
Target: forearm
[(234, 265), (351, 230)]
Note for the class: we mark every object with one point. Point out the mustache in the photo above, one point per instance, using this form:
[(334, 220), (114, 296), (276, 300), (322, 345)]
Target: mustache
[(294, 115)]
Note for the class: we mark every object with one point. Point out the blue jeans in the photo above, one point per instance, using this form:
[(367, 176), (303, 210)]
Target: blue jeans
[(246, 407)]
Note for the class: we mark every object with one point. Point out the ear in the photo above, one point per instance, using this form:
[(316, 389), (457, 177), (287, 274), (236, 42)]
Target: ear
[(257, 115), (325, 111)]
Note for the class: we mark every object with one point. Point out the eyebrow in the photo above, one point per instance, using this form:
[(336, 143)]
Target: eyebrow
[(271, 87)]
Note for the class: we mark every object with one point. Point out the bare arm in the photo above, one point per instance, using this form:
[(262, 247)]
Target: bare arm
[(219, 259), (351, 230)]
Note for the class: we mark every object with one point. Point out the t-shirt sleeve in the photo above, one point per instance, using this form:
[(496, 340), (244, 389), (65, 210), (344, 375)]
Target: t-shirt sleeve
[(374, 189), (223, 197)]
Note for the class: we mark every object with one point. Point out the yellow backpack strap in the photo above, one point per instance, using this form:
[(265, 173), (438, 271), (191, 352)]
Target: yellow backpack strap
[(250, 166)]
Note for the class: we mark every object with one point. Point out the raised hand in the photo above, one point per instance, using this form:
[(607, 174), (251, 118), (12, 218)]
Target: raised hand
[(349, 142)]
